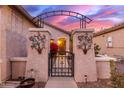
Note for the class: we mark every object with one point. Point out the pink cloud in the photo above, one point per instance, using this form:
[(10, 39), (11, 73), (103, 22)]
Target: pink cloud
[(97, 25), (81, 8), (109, 12), (72, 26), (55, 20), (103, 16)]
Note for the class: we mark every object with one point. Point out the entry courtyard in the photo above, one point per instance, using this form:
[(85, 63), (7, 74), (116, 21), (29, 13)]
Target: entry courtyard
[(34, 53)]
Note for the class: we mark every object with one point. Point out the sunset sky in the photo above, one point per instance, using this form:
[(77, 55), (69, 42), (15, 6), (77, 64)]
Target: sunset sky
[(103, 16)]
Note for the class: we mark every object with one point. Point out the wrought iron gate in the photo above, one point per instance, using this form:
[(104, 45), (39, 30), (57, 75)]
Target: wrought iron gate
[(61, 64)]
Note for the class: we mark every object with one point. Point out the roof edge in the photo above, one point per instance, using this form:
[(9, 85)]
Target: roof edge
[(111, 29)]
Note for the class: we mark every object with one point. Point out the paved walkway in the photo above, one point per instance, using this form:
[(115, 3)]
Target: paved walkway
[(10, 84), (61, 82)]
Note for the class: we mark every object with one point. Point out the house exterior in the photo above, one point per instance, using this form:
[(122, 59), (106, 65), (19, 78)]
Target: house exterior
[(14, 26), (111, 40), (18, 34)]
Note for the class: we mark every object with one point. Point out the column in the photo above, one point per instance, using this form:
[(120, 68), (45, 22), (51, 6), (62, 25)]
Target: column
[(84, 61), (38, 50)]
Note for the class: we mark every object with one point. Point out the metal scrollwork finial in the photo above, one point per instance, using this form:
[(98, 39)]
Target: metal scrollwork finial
[(85, 41), (38, 42)]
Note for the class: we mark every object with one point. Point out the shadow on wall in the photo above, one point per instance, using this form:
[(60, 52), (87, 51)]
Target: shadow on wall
[(16, 44)]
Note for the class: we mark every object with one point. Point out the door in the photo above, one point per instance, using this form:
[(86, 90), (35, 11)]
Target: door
[(62, 44)]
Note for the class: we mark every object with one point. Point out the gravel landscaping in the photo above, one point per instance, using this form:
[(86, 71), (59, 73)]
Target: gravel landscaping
[(98, 84)]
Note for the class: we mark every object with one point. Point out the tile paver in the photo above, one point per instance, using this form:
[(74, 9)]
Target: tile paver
[(61, 82)]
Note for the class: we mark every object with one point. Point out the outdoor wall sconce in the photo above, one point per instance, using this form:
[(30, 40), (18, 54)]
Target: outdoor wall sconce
[(85, 41), (31, 73), (38, 42), (85, 78)]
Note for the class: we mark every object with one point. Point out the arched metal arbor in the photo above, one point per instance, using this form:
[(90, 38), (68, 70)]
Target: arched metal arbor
[(39, 20)]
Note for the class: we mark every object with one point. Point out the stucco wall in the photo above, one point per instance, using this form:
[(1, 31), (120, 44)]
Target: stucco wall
[(84, 64), (0, 47), (38, 62), (14, 28), (13, 33), (103, 69), (0, 72), (117, 41), (18, 67)]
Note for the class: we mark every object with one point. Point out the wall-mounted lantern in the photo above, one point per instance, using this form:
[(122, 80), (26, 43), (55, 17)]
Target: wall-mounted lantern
[(85, 41), (38, 42), (85, 78)]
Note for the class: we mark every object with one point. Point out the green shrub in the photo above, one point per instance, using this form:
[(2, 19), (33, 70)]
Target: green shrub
[(96, 49), (116, 78)]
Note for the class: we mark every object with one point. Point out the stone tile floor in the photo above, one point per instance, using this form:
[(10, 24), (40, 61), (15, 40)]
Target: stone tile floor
[(61, 82)]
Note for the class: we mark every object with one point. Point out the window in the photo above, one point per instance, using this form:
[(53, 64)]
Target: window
[(109, 42)]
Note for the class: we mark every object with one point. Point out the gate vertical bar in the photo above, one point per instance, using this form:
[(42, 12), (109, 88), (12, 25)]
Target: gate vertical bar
[(72, 64), (58, 65), (49, 64)]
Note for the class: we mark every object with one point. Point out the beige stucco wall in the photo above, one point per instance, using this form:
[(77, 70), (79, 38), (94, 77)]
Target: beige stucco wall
[(14, 28), (13, 32), (103, 69), (0, 72), (38, 62), (0, 46), (117, 41), (83, 64), (0, 33), (18, 67)]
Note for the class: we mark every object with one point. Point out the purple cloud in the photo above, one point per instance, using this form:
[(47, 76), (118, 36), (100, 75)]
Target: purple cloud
[(99, 13)]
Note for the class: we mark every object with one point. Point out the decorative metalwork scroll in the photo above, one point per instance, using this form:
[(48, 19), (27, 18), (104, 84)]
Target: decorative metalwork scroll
[(38, 42), (85, 41)]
